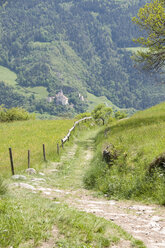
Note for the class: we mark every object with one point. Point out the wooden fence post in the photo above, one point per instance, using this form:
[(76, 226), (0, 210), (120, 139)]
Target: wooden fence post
[(11, 161), (28, 158), (58, 149), (44, 153), (62, 144)]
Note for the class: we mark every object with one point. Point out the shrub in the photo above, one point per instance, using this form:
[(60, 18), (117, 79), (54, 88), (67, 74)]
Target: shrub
[(120, 115), (14, 114), (82, 115)]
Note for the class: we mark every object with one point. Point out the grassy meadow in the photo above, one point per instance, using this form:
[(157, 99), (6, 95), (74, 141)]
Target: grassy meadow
[(30, 135), (93, 101), (137, 141), (8, 76)]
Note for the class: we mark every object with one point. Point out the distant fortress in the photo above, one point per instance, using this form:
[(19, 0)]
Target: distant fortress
[(61, 99)]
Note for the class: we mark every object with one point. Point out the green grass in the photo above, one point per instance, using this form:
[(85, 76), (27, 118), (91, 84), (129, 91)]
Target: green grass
[(93, 101), (3, 187), (30, 135), (39, 91), (137, 140), (32, 218), (73, 168), (8, 76)]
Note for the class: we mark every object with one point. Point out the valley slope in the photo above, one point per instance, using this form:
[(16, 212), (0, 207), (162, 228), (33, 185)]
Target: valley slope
[(77, 46)]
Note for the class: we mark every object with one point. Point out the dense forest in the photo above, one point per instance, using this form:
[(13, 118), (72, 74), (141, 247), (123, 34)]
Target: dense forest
[(78, 46)]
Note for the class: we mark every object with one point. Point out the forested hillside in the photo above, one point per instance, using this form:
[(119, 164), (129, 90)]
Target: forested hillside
[(78, 46)]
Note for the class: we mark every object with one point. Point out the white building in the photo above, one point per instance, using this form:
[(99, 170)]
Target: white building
[(61, 99), (81, 97)]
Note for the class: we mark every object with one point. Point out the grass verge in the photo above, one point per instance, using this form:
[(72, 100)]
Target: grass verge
[(27, 219), (137, 141)]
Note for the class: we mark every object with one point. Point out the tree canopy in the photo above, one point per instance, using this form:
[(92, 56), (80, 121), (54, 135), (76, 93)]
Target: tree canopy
[(101, 112), (151, 18)]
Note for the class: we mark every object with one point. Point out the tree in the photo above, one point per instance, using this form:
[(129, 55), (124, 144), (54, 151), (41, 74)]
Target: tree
[(151, 18), (120, 115), (101, 112)]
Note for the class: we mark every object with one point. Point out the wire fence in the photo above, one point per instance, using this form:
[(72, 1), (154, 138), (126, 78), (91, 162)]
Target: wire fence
[(63, 141)]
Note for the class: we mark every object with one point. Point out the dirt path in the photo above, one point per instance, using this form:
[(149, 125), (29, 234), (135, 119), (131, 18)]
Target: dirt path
[(144, 222)]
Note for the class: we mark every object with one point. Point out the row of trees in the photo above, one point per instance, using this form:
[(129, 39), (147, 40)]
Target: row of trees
[(103, 114)]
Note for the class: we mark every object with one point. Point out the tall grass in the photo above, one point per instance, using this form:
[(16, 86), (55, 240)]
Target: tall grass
[(137, 140), (30, 135), (3, 187)]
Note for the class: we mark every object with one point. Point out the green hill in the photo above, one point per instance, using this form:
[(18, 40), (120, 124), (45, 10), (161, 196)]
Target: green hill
[(130, 146), (10, 79), (93, 101), (8, 76), (77, 46)]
